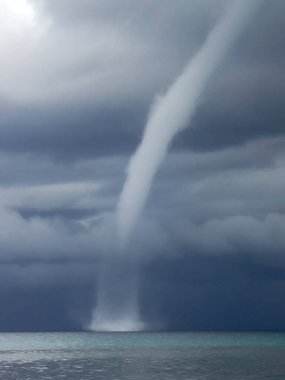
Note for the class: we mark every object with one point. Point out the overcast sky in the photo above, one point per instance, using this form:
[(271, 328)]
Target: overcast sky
[(77, 79)]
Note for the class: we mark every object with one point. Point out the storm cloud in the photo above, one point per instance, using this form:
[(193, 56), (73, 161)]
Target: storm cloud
[(76, 83)]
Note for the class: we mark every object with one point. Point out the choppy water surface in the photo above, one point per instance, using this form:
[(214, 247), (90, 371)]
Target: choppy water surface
[(140, 356)]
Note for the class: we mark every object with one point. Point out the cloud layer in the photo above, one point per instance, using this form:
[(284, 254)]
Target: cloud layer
[(77, 80)]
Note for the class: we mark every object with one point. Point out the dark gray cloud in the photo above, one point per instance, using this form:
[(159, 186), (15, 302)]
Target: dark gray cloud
[(76, 85), (225, 292), (84, 86)]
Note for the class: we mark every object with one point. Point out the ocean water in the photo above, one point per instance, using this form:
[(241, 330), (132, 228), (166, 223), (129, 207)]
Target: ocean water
[(142, 356)]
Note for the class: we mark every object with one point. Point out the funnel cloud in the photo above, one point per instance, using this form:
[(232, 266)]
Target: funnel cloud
[(170, 114)]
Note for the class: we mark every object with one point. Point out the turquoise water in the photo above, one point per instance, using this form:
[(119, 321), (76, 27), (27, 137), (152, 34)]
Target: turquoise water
[(152, 356)]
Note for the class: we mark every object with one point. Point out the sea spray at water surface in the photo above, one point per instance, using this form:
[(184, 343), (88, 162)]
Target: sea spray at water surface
[(170, 114), (117, 307)]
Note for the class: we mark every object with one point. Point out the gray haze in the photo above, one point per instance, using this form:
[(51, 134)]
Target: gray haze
[(77, 80)]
